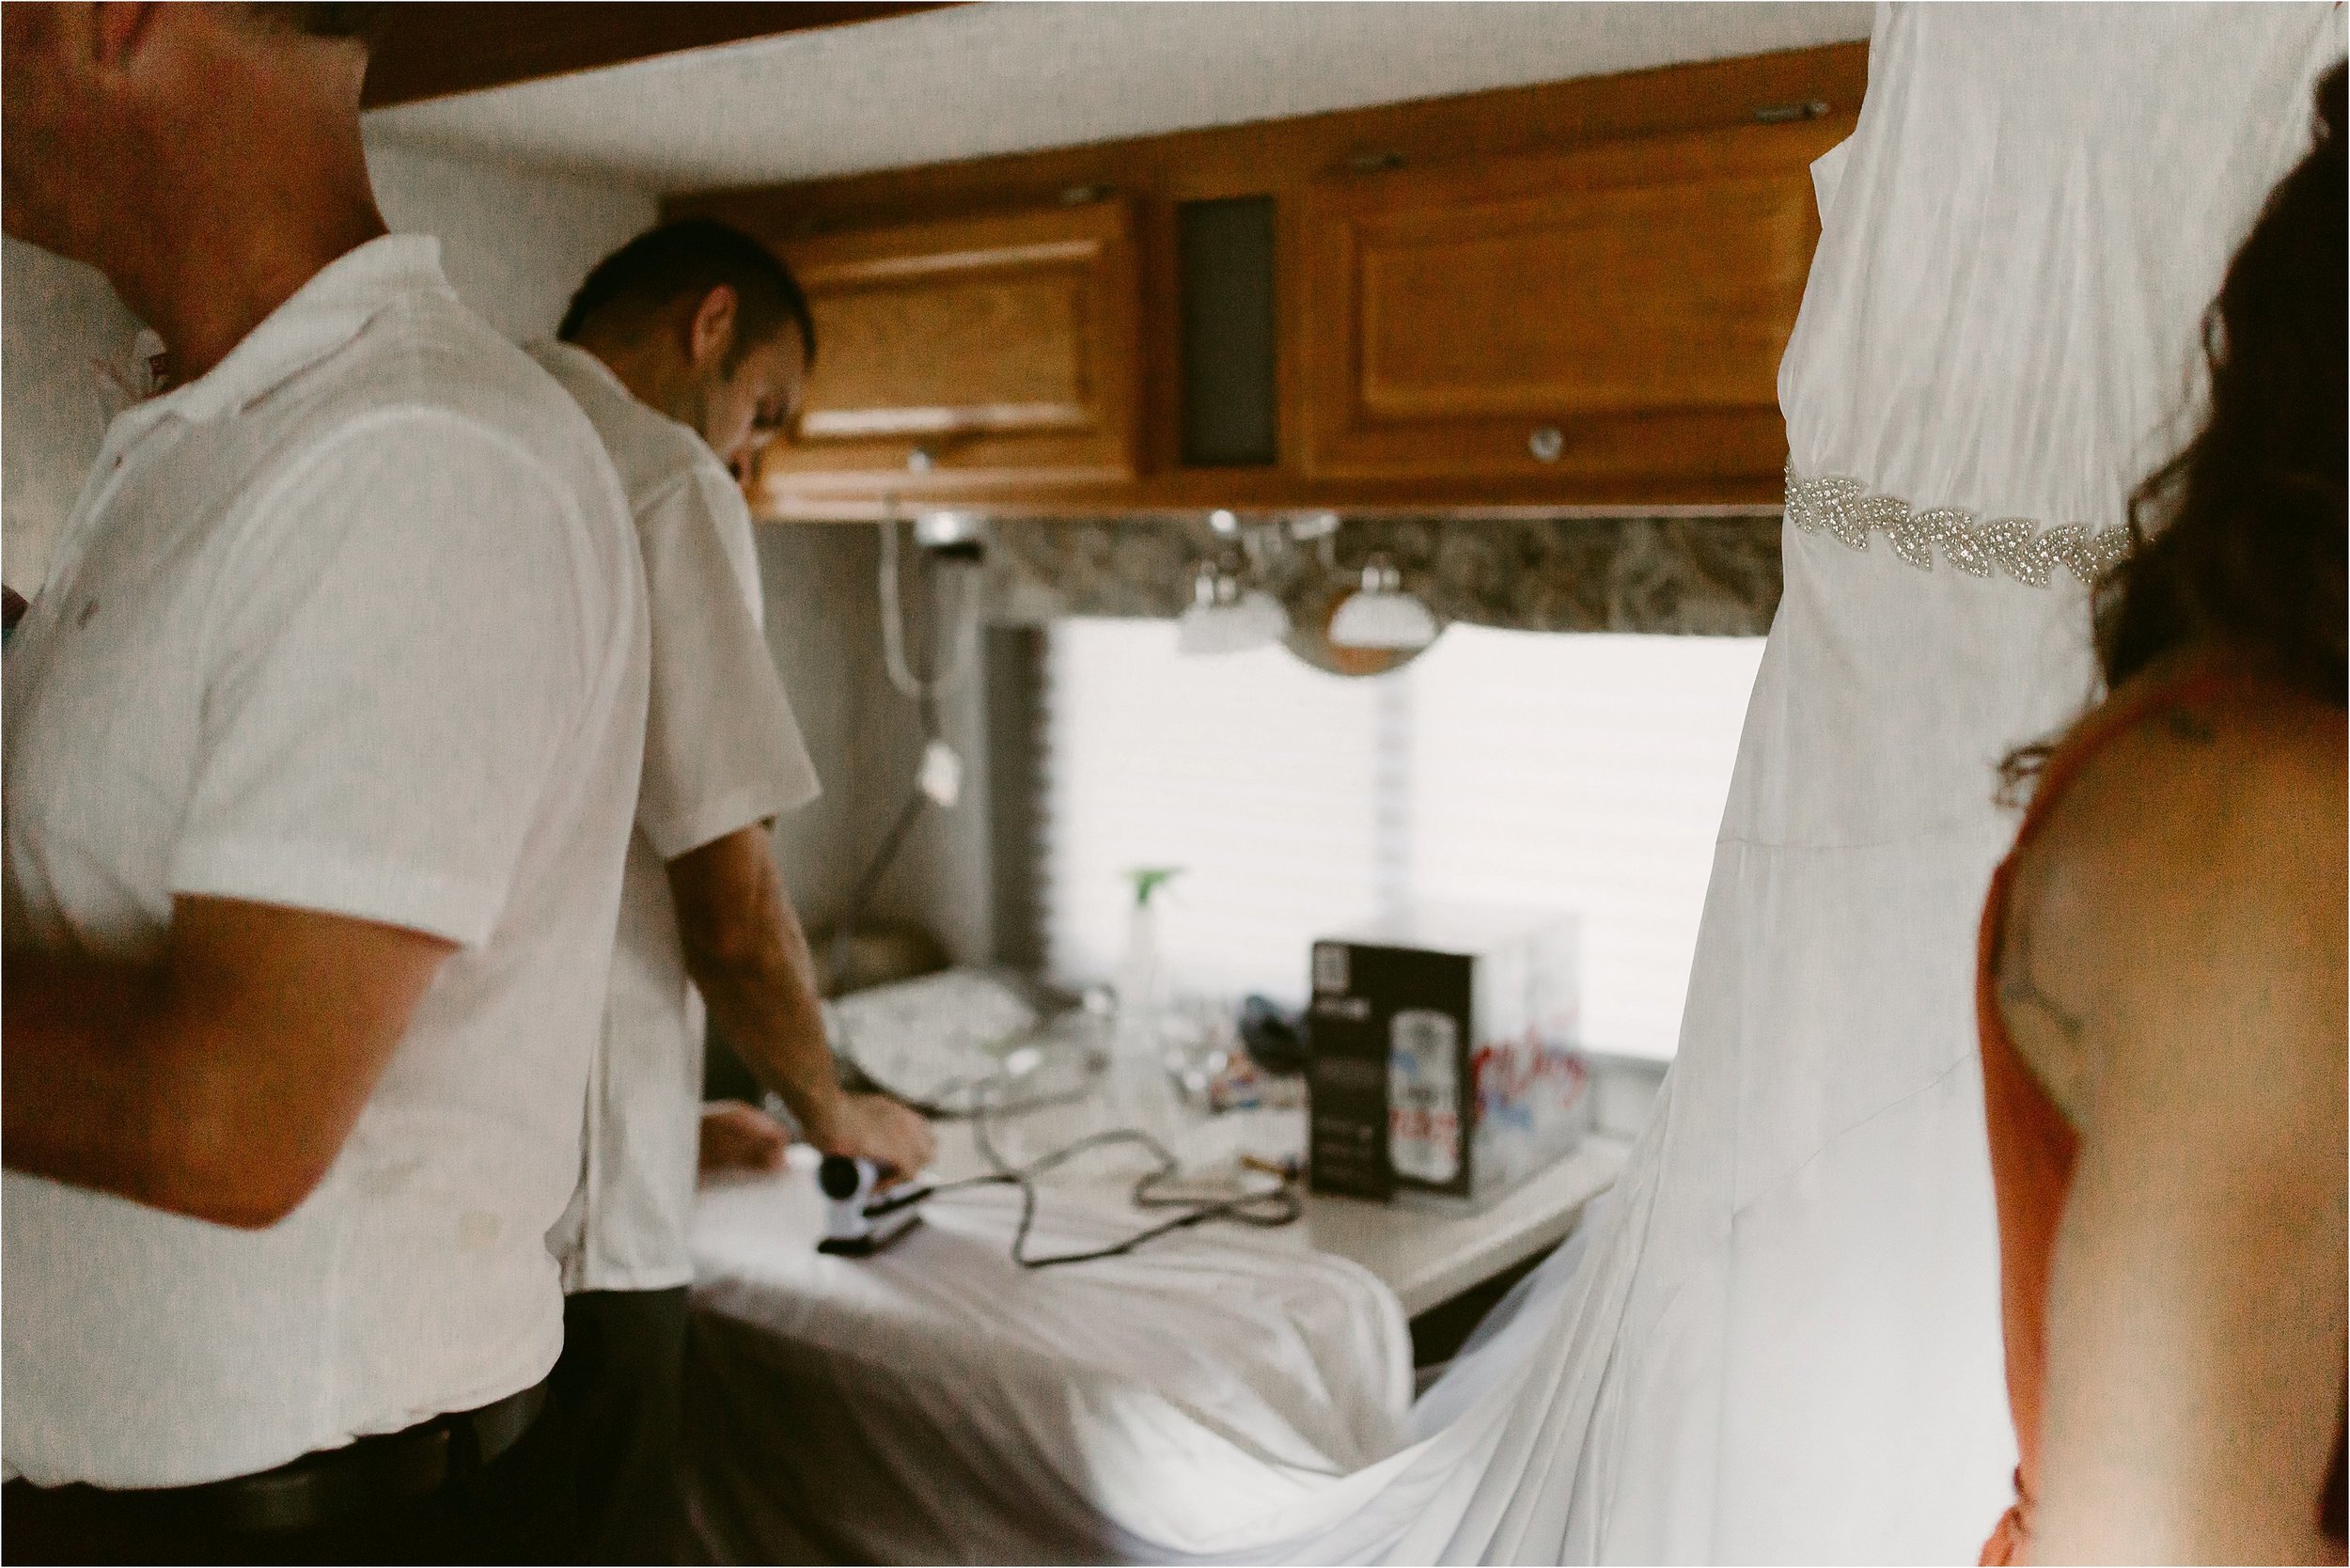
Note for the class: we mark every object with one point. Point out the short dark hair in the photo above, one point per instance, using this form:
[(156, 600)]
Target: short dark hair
[(686, 260)]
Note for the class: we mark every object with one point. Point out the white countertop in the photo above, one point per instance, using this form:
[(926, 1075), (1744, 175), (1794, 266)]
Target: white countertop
[(1428, 1255), (1427, 1250)]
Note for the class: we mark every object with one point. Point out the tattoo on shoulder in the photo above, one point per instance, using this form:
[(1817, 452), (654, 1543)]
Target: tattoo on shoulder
[(2192, 727), (2019, 990)]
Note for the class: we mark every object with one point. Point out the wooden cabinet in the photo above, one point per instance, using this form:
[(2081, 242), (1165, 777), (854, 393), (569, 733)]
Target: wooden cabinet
[(967, 354), (1572, 294), (1607, 316)]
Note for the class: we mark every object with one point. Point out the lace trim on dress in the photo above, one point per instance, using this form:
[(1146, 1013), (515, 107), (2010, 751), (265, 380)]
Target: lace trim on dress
[(2016, 546)]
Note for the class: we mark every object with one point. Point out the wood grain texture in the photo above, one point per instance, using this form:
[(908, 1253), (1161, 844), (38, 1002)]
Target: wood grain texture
[(1626, 303), (1727, 456), (1002, 346), (433, 50)]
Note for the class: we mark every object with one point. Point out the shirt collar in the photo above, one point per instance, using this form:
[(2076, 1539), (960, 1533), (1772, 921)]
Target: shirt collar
[(321, 317), (577, 358)]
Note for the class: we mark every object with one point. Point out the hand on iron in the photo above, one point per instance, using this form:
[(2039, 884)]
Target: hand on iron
[(877, 1128)]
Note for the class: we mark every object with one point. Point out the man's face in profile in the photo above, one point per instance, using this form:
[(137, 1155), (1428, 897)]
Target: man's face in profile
[(744, 405)]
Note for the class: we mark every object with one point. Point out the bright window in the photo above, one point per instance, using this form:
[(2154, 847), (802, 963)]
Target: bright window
[(1579, 773)]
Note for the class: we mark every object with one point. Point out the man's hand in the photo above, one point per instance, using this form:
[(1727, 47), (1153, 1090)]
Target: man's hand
[(745, 951), (875, 1127), (738, 1137)]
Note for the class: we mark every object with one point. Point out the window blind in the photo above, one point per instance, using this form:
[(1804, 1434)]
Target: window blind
[(1582, 774)]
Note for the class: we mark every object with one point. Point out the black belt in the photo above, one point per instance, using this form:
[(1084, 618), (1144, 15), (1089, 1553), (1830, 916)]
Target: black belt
[(333, 1484)]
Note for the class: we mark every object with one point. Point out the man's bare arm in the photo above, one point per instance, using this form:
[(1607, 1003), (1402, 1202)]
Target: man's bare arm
[(746, 952), (219, 1081)]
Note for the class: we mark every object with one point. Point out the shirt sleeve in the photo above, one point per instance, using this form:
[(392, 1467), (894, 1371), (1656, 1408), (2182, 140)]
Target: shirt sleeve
[(722, 747), (403, 641)]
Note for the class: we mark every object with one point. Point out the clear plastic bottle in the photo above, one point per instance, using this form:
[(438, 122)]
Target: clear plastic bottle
[(1140, 1089)]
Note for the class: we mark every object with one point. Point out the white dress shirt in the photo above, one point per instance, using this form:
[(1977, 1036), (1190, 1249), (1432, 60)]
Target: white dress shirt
[(353, 622), (722, 751)]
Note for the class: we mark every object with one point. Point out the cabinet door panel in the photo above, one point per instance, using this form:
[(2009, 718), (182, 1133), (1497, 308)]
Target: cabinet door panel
[(1609, 313), (1001, 350)]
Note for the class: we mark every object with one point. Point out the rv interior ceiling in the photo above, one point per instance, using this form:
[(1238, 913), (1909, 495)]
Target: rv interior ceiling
[(969, 81), (422, 52)]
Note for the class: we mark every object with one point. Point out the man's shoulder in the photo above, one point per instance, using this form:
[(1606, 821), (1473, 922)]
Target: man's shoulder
[(430, 389), (433, 355), (654, 455), (427, 368)]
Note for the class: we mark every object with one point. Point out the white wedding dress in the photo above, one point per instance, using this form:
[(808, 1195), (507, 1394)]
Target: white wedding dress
[(1783, 1342)]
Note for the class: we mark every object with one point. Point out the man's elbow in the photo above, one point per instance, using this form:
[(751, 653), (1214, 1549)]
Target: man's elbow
[(259, 1206), (247, 1184), (729, 944)]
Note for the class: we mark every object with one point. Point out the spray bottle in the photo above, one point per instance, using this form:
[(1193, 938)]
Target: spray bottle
[(1139, 1086)]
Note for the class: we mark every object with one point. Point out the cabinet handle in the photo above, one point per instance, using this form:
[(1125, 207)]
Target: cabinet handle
[(922, 460), (1546, 442)]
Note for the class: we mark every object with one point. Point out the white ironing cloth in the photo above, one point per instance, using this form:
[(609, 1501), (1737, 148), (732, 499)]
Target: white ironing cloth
[(937, 1404)]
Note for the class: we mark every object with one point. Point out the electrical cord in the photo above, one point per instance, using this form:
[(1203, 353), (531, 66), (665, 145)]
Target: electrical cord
[(937, 1105), (942, 672), (937, 1102), (950, 665), (1266, 1210)]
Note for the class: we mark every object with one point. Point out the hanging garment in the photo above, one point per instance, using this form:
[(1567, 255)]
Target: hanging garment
[(1784, 1343)]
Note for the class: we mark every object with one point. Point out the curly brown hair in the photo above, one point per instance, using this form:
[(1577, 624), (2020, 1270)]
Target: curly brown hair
[(2239, 542), (2240, 539)]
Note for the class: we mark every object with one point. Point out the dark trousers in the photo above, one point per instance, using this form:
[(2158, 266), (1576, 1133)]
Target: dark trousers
[(519, 1508), (623, 1379)]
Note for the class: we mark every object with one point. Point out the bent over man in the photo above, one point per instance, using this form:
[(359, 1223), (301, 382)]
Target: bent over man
[(684, 347)]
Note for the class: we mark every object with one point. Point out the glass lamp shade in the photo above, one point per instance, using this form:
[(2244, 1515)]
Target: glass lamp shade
[(1381, 615), (1225, 618)]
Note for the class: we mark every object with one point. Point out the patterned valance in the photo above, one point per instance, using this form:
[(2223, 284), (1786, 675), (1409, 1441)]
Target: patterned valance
[(1703, 576)]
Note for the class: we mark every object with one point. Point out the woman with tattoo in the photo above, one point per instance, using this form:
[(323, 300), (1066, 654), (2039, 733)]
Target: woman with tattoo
[(2162, 977)]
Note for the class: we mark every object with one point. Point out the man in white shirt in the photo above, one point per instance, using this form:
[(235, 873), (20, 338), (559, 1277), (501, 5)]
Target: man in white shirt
[(322, 743), (686, 348)]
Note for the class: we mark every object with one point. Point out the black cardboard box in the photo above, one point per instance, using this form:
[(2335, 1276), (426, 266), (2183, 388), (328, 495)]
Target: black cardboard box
[(1444, 1055)]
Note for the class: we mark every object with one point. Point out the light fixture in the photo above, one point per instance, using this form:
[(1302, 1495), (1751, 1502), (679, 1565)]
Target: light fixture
[(1380, 614), (934, 530), (1226, 618)]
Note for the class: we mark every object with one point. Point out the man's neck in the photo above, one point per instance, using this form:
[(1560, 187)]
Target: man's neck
[(210, 271), (651, 376)]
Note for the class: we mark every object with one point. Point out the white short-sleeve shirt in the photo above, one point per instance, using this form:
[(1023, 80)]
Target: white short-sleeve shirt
[(354, 622), (722, 751)]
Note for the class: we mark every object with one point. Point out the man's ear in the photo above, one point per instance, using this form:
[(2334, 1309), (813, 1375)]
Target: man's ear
[(710, 332)]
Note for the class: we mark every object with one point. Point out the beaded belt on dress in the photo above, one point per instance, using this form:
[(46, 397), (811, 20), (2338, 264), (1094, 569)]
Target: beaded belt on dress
[(2017, 545)]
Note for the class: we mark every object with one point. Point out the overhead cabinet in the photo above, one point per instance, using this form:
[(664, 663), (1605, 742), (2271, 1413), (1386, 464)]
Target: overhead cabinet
[(969, 355), (1611, 314), (1569, 295)]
